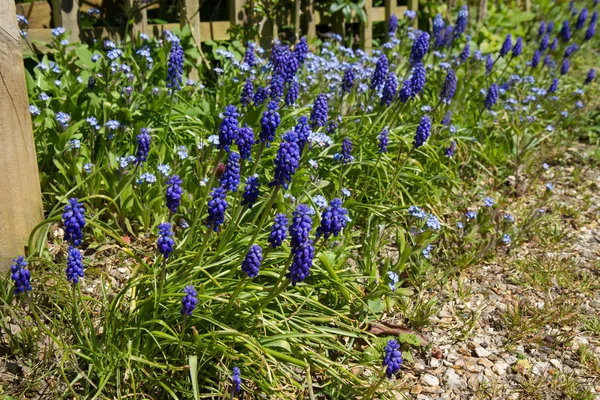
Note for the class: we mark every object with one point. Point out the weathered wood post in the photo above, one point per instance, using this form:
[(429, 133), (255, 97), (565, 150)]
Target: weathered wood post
[(191, 15), (20, 197), (140, 18), (69, 13), (310, 18), (366, 28)]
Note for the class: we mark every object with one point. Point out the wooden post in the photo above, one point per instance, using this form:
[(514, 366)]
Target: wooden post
[(297, 30), (20, 197), (366, 28), (69, 13), (481, 11), (390, 8), (191, 15), (310, 18), (237, 15), (414, 6)]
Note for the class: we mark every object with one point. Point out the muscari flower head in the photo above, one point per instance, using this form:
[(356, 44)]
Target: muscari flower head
[(143, 145), (550, 27), (392, 25), (269, 122), (518, 48), (276, 87), (292, 93), (286, 161), (165, 242), (216, 208), (489, 64), (320, 110), (301, 50), (565, 31), (74, 265), (591, 31), (303, 131), (173, 193), (259, 96), (492, 96), (461, 21), (564, 68), (590, 76), (389, 89), (347, 150), (447, 118), (348, 79), (247, 92), (422, 132), (74, 221), (251, 264), (553, 86), (20, 275), (383, 140), (228, 130), (230, 180), (392, 358), (333, 219), (302, 261), (236, 380), (189, 301), (581, 19), (380, 72), (278, 230), (506, 46), (419, 48), (449, 87), (405, 93), (466, 53), (301, 225), (542, 29), (438, 25), (245, 141), (175, 66), (450, 150), (418, 79), (594, 15), (249, 55), (535, 60), (570, 50), (251, 191)]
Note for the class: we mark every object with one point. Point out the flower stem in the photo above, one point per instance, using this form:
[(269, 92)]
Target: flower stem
[(160, 285)]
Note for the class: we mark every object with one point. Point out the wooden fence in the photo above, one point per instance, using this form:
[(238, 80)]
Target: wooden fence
[(40, 16)]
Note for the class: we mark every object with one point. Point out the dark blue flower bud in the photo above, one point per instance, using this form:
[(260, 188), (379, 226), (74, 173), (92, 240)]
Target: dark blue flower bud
[(20, 275), (383, 141), (286, 161), (292, 93), (236, 380), (392, 358), (230, 180), (492, 97), (544, 43), (301, 50), (175, 66), (461, 21), (581, 19), (333, 219), (216, 208), (565, 31), (165, 242), (228, 130), (518, 48), (173, 193), (269, 122), (302, 130), (590, 76), (419, 48), (392, 25), (447, 118), (550, 27), (301, 225), (245, 141), (564, 68), (380, 72), (74, 265), (143, 145), (250, 56), (535, 60), (554, 86), (74, 221), (466, 53), (542, 29), (591, 31), (320, 110), (247, 92), (251, 264), (278, 230), (438, 26), (449, 87), (302, 261), (276, 87), (406, 92), (423, 131), (251, 191), (189, 301), (419, 77), (347, 150), (449, 152), (348, 80), (389, 89), (260, 96), (506, 46), (489, 64)]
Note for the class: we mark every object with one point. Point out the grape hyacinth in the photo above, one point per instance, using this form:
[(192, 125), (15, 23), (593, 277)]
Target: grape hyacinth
[(251, 191), (302, 130), (565, 31), (249, 55), (302, 261), (216, 208), (383, 141), (461, 21), (230, 180), (438, 25), (236, 380), (245, 141), (333, 219), (380, 72), (276, 87), (419, 77), (228, 130), (518, 48), (348, 80), (542, 29), (175, 66), (550, 27), (173, 193), (450, 150), (492, 97), (554, 86), (581, 19), (247, 92), (189, 301), (591, 31), (74, 265), (320, 110), (301, 225), (447, 118), (251, 264), (422, 132), (544, 43), (392, 25), (419, 48), (347, 150), (489, 64), (278, 230), (389, 89), (74, 221), (165, 242), (143, 145), (564, 68), (20, 275), (269, 122), (506, 46), (286, 161), (466, 53), (449, 87), (392, 358), (406, 92), (590, 76), (259, 96), (535, 60), (292, 94), (301, 50)]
